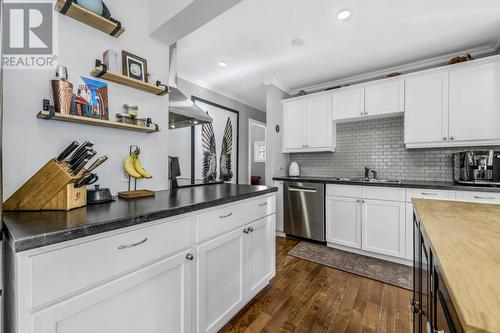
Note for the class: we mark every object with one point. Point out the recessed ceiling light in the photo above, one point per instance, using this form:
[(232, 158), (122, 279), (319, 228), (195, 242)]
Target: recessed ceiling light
[(222, 64), (297, 42), (343, 14)]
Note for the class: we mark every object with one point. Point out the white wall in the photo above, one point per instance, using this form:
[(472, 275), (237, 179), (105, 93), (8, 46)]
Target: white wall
[(28, 142), (180, 139), (277, 162)]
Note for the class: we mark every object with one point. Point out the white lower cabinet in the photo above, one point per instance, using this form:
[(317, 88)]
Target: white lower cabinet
[(343, 217), (184, 275), (383, 227), (232, 269), (220, 279), (157, 298)]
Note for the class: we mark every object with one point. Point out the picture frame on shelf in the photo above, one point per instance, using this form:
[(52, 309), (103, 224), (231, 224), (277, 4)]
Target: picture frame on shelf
[(134, 66)]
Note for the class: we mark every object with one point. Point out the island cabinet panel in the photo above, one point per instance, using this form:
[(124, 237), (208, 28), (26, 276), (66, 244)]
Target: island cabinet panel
[(154, 278), (157, 298)]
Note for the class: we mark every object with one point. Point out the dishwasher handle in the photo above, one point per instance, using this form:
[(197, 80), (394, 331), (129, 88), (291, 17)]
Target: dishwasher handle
[(302, 189)]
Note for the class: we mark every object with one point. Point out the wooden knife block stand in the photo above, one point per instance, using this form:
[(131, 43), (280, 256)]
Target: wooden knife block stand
[(51, 188)]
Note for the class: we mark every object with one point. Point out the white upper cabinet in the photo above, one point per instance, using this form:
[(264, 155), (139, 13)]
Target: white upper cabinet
[(385, 97), (293, 125), (475, 104), (454, 106), (308, 125), (348, 103), (426, 118), (319, 122)]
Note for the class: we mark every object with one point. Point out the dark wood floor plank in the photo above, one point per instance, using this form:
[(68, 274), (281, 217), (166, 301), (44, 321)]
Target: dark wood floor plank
[(308, 297)]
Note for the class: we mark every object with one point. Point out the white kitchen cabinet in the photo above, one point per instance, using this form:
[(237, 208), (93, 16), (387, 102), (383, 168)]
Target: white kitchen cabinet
[(232, 269), (384, 97), (383, 227), (221, 280), (260, 260), (279, 206), (154, 299), (426, 109), (343, 216), (479, 197), (474, 104), (308, 125), (409, 231), (293, 131), (348, 103), (318, 121)]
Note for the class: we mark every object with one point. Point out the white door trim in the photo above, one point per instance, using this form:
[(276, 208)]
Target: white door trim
[(253, 122)]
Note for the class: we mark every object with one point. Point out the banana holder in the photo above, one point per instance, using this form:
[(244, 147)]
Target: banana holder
[(135, 193)]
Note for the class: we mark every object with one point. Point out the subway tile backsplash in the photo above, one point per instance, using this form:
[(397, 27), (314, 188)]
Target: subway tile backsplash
[(377, 144)]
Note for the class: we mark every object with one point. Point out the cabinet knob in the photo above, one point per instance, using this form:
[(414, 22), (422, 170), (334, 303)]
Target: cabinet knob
[(250, 229), (362, 113), (452, 138), (445, 138), (246, 231), (189, 256)]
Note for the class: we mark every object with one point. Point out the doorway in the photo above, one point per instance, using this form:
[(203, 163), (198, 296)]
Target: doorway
[(257, 154)]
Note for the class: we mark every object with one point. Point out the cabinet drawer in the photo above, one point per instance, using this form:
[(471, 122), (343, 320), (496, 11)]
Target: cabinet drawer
[(419, 193), (219, 221), (480, 197), (352, 191), (66, 271), (384, 193)]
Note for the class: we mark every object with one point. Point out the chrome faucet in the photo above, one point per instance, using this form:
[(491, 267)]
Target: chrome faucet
[(367, 173)]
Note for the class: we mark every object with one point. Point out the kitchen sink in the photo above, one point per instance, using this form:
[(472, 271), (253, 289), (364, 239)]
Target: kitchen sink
[(370, 180)]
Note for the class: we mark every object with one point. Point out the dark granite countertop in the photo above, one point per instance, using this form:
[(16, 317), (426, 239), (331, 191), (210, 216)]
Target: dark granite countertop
[(403, 183), (30, 230)]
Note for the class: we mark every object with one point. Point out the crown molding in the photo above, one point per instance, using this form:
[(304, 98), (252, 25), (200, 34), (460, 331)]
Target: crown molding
[(403, 68), (217, 90), (278, 84)]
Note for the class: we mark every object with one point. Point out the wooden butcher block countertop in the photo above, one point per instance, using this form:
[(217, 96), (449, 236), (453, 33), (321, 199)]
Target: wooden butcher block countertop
[(465, 239)]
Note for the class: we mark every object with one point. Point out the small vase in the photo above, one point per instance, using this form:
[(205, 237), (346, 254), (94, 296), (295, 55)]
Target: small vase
[(95, 6)]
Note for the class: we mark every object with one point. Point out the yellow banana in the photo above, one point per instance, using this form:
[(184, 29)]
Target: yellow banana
[(140, 169), (128, 165)]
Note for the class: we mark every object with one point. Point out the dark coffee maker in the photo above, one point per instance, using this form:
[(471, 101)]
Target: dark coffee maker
[(477, 167)]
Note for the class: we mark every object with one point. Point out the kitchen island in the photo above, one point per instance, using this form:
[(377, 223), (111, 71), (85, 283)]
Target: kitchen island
[(184, 261), (457, 266)]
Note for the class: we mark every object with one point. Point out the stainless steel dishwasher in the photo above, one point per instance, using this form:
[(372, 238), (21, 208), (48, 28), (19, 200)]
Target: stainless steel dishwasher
[(304, 205)]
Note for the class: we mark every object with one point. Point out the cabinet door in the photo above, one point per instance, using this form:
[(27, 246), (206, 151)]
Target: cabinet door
[(220, 280), (260, 262), (279, 206), (409, 231), (426, 109), (155, 299), (348, 103), (293, 124), (383, 227), (384, 98), (319, 122), (474, 104), (343, 221)]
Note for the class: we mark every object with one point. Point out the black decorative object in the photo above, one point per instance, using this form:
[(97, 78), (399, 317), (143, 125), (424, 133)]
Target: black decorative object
[(226, 171), (209, 153), (277, 128)]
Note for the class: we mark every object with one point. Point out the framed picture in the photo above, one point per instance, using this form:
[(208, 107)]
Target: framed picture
[(134, 67)]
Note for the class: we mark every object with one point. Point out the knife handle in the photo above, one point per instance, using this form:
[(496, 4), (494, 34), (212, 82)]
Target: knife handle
[(68, 150), (97, 163), (80, 166), (88, 155)]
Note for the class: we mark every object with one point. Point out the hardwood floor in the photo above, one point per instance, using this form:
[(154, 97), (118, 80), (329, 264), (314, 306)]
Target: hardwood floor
[(309, 297)]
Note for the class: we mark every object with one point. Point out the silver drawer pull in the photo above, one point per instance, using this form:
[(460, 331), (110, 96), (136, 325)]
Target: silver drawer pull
[(263, 204), (225, 216), (432, 194), (301, 189), (128, 246), (485, 198)]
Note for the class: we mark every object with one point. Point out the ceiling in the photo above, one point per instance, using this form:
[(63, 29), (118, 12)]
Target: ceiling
[(254, 38)]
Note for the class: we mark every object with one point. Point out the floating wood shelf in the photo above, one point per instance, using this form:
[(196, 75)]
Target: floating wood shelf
[(69, 8), (102, 73), (93, 121)]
